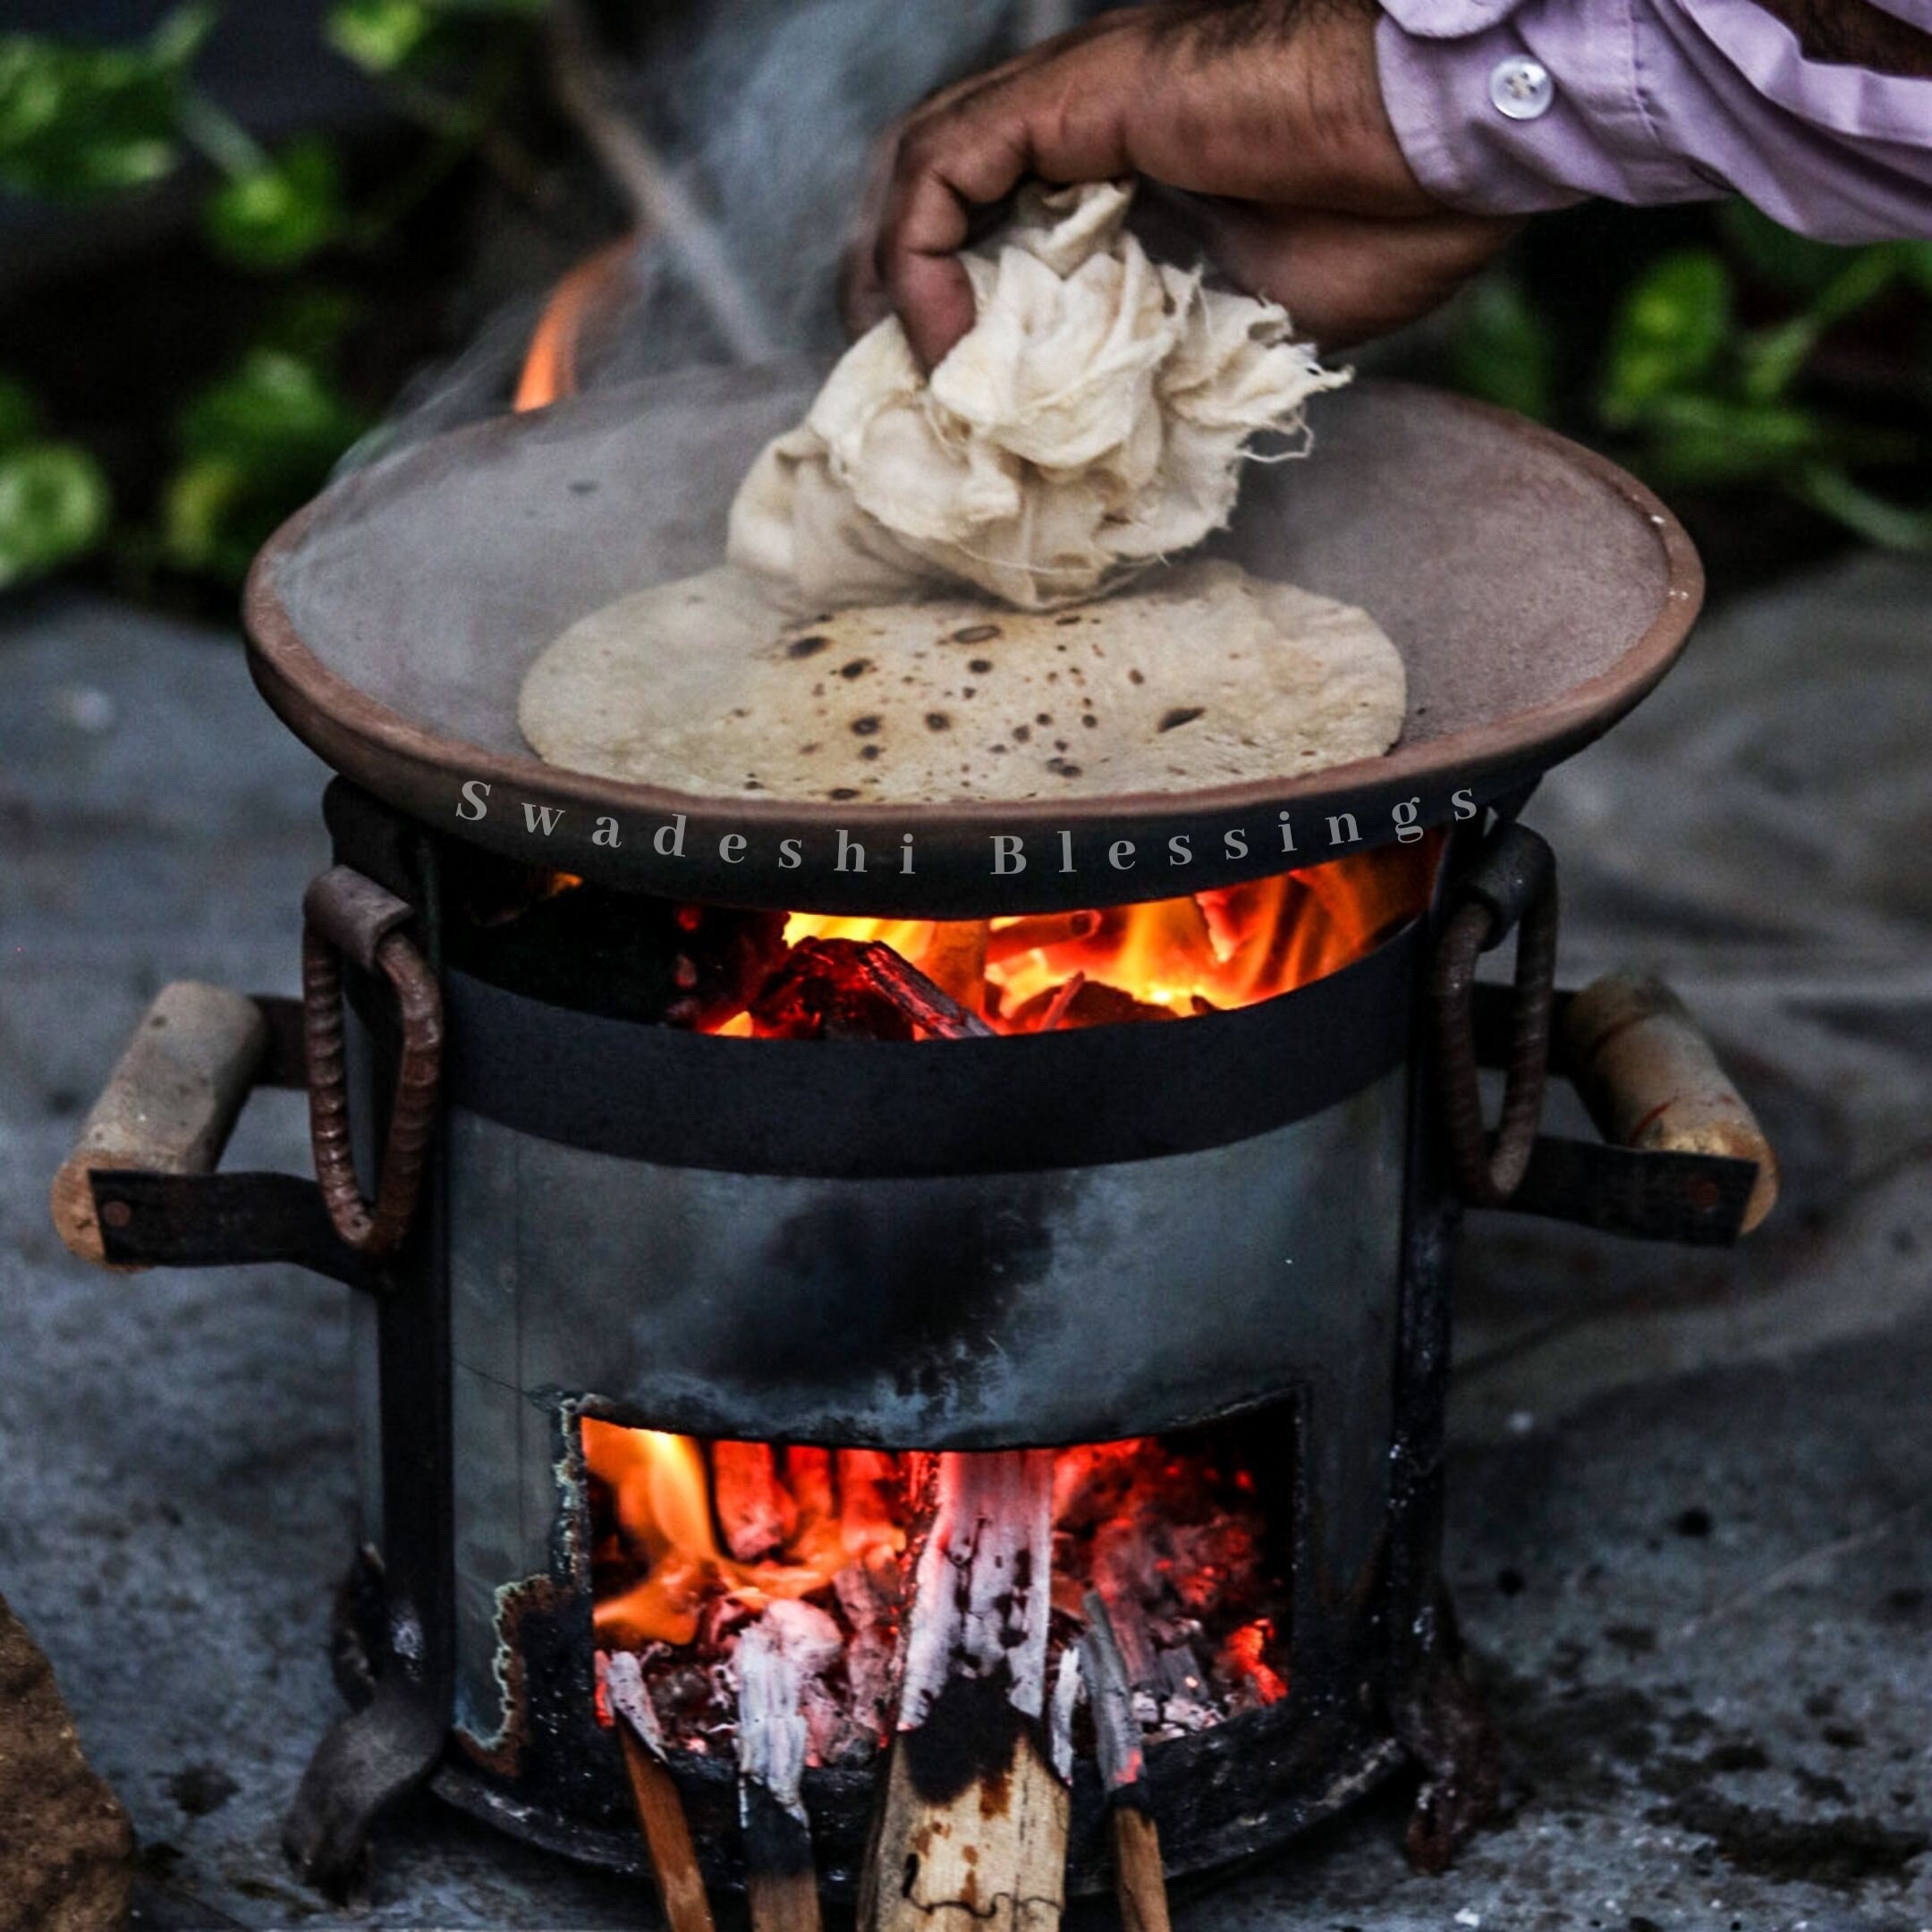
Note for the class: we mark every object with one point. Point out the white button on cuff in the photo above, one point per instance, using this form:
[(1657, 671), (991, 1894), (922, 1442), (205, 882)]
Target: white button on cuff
[(1521, 89)]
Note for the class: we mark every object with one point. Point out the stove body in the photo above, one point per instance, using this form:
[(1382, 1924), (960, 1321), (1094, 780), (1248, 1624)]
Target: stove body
[(1055, 1239)]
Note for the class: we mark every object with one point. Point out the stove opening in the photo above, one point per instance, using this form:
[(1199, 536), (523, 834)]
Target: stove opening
[(554, 936), (1184, 1537)]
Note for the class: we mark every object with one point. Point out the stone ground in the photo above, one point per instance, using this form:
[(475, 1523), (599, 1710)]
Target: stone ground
[(1691, 1516)]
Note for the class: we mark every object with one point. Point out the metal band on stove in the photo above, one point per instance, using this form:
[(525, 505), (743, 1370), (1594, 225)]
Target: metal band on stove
[(851, 1108)]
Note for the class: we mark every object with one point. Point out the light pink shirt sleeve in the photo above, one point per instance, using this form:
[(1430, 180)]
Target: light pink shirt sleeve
[(1510, 106)]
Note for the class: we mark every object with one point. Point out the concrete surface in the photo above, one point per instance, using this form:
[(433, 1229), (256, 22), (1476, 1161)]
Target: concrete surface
[(1691, 1506)]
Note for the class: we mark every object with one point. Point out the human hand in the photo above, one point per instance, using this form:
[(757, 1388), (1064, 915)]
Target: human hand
[(1269, 111)]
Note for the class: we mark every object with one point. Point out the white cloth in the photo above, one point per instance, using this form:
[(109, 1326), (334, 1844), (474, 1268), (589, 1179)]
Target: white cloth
[(1092, 421)]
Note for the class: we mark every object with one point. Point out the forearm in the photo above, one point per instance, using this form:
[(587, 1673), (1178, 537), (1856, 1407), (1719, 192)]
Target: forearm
[(1512, 108)]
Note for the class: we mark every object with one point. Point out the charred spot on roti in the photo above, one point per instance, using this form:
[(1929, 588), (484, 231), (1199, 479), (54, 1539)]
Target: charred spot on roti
[(976, 633), (842, 791), (857, 667), (693, 697), (1071, 617), (807, 647)]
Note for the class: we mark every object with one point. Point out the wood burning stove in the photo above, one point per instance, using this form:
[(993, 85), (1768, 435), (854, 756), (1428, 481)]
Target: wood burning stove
[(567, 1202)]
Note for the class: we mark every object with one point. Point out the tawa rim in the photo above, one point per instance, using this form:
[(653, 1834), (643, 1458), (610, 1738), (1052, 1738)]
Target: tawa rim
[(963, 860)]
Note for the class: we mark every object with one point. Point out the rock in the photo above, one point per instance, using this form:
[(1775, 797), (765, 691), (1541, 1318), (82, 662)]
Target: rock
[(66, 1848)]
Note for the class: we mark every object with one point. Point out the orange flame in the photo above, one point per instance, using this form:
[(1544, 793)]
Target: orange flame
[(550, 363), (665, 1496), (1231, 947)]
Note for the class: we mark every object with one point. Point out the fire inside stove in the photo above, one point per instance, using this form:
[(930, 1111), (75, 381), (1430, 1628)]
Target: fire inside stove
[(801, 975), (695, 1542)]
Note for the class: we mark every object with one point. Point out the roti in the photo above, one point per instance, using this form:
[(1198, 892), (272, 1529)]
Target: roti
[(1201, 675)]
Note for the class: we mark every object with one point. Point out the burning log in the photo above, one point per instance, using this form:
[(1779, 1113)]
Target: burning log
[(1138, 1878), (660, 1811), (754, 1509), (857, 989), (972, 1825), (956, 961), (775, 1657), (1089, 1002), (1038, 932)]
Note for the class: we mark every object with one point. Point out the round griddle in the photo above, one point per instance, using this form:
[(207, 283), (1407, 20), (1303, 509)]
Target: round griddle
[(1535, 591)]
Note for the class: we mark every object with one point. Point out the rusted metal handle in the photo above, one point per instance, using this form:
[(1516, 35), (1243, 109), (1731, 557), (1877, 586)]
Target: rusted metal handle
[(1512, 885), (343, 912)]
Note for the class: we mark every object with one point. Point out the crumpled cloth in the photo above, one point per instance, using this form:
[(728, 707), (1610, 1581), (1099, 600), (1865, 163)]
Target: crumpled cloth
[(1093, 421)]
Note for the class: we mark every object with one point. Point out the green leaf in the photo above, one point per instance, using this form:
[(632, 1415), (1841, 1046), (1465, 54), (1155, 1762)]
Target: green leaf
[(55, 505), (276, 414), (20, 414), (1668, 332), (378, 36), (309, 320), (78, 120), (1889, 525), (1505, 350), (1915, 259), (256, 446), (278, 216), (208, 521), (1793, 262), (1704, 441)]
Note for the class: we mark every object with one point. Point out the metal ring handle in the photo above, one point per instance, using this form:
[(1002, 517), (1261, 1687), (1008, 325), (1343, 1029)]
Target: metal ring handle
[(372, 1228), (1489, 1170)]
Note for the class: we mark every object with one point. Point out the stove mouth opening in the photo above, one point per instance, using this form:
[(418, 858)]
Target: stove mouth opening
[(694, 1544), (556, 937)]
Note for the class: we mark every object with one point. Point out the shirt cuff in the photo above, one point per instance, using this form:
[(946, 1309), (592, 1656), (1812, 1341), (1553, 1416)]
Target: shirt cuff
[(1576, 125)]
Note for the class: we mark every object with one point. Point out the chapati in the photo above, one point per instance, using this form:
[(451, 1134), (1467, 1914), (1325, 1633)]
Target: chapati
[(1201, 676)]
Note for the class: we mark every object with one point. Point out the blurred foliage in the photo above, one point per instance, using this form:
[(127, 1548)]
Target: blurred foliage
[(1714, 372), (54, 499), (79, 123)]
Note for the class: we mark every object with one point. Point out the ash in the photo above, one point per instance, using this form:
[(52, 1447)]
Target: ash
[(1175, 1539)]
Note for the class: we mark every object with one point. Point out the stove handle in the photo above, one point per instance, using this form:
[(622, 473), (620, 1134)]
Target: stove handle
[(170, 1105), (1652, 1081), (1683, 1157)]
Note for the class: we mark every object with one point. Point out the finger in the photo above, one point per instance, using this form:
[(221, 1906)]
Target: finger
[(863, 299), (1057, 119)]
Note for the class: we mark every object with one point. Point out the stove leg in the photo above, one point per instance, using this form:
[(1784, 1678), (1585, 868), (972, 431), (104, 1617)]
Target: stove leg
[(362, 1766), (1443, 1724)]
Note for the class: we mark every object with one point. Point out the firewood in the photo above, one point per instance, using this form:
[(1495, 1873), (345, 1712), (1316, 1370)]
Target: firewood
[(754, 1509), (660, 1810), (1138, 1878), (790, 1642), (954, 958), (1038, 932), (170, 1102), (1650, 1080), (971, 1834), (857, 989)]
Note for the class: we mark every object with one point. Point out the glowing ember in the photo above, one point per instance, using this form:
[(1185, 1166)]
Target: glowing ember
[(694, 1541), (1209, 951)]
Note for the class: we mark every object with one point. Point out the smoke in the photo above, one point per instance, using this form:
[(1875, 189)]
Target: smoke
[(743, 129)]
